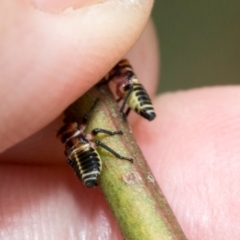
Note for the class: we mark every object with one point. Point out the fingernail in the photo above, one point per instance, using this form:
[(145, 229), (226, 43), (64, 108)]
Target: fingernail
[(60, 5)]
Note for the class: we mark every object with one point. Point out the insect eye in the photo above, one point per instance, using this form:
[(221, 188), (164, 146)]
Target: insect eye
[(70, 162)]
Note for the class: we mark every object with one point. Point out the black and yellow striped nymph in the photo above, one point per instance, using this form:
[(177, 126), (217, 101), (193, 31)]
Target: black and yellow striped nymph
[(130, 91), (86, 163), (80, 148)]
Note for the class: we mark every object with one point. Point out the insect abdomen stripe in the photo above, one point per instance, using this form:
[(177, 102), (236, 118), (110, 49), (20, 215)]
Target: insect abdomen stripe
[(87, 164)]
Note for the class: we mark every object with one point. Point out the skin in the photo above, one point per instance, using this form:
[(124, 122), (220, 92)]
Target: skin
[(46, 63)]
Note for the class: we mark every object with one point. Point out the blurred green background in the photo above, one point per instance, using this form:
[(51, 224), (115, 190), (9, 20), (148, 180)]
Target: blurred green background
[(199, 41)]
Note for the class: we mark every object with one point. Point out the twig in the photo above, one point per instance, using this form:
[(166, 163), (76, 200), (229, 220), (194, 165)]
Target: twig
[(137, 202)]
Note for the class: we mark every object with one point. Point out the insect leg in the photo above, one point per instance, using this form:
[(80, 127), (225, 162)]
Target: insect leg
[(85, 118), (127, 112), (101, 144), (100, 130), (130, 90)]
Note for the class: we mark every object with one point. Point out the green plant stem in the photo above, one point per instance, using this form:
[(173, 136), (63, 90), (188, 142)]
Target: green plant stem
[(133, 194)]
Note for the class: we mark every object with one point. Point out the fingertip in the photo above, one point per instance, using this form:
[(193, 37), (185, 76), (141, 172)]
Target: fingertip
[(59, 58)]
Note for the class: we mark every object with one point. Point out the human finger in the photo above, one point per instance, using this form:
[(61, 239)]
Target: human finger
[(48, 59), (48, 202)]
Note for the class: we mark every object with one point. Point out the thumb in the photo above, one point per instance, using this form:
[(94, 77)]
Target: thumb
[(49, 59)]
